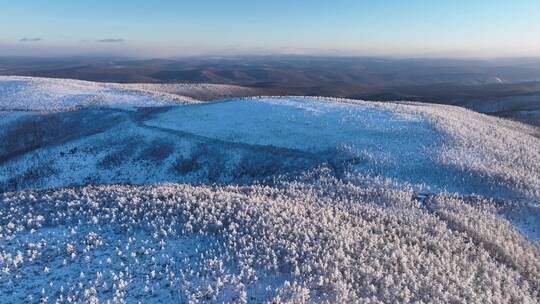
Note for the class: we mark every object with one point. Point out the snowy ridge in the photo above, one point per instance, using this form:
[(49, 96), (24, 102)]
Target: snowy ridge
[(42, 94), (47, 94), (199, 91)]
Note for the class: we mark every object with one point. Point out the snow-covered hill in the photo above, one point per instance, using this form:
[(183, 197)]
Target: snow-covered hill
[(303, 190), (428, 147), (46, 94)]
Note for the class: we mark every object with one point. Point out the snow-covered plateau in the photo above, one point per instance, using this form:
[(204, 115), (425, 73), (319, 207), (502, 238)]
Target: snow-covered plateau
[(153, 193)]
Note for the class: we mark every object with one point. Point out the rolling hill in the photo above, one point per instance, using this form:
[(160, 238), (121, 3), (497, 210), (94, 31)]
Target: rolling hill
[(154, 192)]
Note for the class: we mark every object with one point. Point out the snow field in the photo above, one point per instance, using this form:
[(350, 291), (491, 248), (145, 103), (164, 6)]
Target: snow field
[(434, 148)]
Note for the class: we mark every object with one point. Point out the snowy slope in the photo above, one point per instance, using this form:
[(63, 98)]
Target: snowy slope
[(43, 94), (431, 148), (427, 147), (309, 241), (296, 199), (441, 147)]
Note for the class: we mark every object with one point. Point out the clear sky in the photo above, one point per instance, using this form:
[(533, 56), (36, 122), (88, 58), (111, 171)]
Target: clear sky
[(165, 28)]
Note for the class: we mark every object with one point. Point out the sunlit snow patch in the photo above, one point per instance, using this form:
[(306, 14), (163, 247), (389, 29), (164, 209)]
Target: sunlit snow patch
[(399, 142)]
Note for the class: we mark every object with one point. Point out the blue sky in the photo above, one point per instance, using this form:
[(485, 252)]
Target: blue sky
[(174, 28)]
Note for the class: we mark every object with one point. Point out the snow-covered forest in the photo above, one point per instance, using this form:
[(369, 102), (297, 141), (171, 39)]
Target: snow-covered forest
[(154, 193)]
